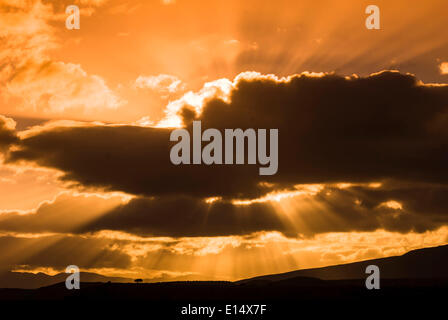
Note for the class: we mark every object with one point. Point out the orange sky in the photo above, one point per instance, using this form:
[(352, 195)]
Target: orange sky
[(134, 62), (196, 42)]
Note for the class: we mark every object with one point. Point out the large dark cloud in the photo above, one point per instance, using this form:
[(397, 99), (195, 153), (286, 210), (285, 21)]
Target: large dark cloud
[(331, 128), (392, 207), (131, 159), (165, 216), (182, 216), (336, 129), (357, 208)]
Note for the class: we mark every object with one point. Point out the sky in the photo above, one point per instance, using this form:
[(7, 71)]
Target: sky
[(86, 116)]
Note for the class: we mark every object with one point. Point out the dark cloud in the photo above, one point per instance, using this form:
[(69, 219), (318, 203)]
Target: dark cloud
[(331, 128), (166, 216), (7, 133), (183, 217), (392, 207), (131, 159), (330, 210), (337, 129)]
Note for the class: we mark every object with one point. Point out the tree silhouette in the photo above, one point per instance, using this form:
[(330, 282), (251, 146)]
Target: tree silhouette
[(138, 280)]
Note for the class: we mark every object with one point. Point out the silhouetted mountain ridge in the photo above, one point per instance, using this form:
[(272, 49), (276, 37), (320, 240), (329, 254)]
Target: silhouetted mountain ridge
[(426, 263), (28, 280)]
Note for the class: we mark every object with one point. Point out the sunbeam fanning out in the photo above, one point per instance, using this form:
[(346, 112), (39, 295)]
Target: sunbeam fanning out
[(304, 134)]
